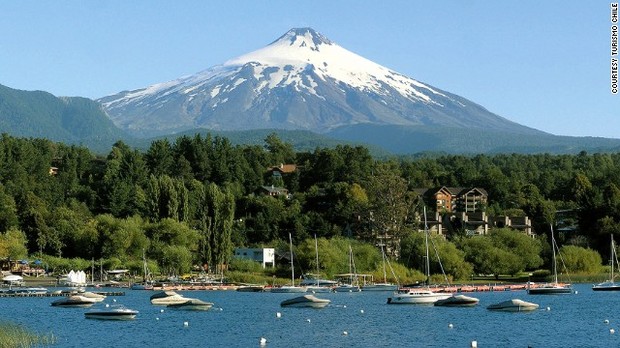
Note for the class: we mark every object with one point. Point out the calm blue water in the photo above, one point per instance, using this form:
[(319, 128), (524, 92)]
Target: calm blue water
[(241, 319)]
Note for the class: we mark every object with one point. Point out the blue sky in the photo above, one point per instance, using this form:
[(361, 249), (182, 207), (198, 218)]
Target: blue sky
[(543, 64)]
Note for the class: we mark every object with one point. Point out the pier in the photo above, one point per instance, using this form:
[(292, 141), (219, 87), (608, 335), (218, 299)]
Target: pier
[(55, 293)]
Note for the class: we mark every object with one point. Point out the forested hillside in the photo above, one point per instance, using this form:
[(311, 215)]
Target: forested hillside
[(190, 202)]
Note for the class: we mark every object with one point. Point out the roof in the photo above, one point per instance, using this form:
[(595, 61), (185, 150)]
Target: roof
[(284, 168)]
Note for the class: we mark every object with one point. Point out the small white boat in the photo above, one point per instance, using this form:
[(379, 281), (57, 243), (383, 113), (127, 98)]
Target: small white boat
[(380, 287), (347, 288), (458, 301), (74, 301), (94, 296), (416, 296), (289, 289), (112, 314), (192, 304), (305, 301), (318, 289), (164, 298), (251, 288), (514, 305)]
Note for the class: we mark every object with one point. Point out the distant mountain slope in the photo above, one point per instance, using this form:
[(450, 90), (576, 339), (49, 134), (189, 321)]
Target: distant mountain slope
[(300, 81), (412, 139), (64, 119)]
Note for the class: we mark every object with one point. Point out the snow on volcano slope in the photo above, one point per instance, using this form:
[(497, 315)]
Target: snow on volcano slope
[(300, 81)]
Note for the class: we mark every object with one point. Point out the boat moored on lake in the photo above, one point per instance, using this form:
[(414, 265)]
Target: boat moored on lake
[(310, 301)]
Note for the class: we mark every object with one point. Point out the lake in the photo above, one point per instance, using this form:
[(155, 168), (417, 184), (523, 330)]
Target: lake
[(240, 319)]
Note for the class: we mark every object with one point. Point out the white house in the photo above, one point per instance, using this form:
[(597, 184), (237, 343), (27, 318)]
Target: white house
[(266, 256)]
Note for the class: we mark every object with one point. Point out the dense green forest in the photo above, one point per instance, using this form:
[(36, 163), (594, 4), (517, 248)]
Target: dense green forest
[(190, 202)]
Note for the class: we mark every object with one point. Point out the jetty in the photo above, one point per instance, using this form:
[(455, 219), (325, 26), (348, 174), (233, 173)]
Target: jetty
[(55, 293)]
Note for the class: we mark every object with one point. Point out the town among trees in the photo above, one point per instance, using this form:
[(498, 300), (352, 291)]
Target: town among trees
[(185, 205)]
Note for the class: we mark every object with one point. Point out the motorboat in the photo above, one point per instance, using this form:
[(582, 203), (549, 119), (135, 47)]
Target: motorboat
[(458, 301), (318, 289), (380, 287), (92, 295), (289, 289), (251, 288), (141, 286), (74, 301), (310, 301), (119, 313), (347, 288), (514, 305), (192, 304), (167, 297), (416, 296)]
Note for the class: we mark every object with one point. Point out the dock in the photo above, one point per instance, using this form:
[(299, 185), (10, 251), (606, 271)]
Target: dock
[(56, 294)]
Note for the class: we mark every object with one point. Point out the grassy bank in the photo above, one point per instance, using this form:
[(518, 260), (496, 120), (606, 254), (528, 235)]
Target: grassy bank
[(15, 336)]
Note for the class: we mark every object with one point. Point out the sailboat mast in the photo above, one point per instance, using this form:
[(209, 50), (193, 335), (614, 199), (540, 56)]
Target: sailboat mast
[(316, 248), (555, 265), (613, 253), (428, 264), (384, 270), (290, 240)]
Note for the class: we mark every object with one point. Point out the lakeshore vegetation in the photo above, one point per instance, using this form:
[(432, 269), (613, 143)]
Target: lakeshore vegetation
[(187, 204)]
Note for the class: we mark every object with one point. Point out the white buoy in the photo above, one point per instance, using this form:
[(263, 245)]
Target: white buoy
[(345, 333), (107, 305), (161, 311), (548, 308), (474, 344), (345, 306), (612, 331), (278, 315), (185, 323), (606, 321), (113, 300), (450, 325), (308, 320), (262, 341), (157, 318), (576, 292), (362, 311)]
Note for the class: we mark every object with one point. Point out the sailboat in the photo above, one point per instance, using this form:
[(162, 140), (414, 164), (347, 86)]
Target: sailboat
[(145, 285), (385, 286), (290, 288), (419, 295), (554, 288), (610, 285), (351, 286), (316, 284)]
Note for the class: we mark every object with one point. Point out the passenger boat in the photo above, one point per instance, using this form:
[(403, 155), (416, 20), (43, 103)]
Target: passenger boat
[(514, 305), (74, 301), (305, 301), (192, 304), (112, 314), (458, 301)]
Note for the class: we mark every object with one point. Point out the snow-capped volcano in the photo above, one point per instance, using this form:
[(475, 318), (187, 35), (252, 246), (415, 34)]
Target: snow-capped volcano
[(300, 81)]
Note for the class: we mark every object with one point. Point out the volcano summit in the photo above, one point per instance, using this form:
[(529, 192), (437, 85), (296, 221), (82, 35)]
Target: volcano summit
[(304, 81)]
